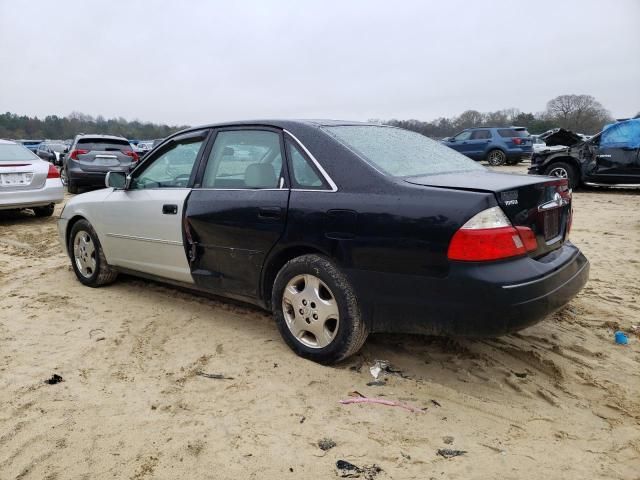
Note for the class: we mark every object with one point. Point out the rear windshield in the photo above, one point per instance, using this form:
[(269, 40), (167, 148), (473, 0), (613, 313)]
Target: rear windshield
[(57, 147), (513, 132), (402, 153), (103, 145), (10, 152)]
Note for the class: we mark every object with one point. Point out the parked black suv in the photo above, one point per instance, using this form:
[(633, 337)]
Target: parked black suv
[(609, 158), (92, 156)]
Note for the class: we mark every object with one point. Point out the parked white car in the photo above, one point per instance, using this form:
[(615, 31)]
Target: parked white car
[(26, 181), (539, 145)]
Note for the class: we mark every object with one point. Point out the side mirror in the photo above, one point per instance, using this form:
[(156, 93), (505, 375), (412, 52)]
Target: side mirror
[(450, 139), (117, 180)]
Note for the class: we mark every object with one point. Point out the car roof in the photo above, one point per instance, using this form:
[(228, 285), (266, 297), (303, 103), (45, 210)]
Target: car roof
[(284, 123)]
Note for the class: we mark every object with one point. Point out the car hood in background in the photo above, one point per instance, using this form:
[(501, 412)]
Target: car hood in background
[(560, 136)]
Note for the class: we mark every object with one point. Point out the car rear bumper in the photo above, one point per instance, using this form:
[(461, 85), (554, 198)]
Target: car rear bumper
[(51, 192), (95, 178), (473, 299)]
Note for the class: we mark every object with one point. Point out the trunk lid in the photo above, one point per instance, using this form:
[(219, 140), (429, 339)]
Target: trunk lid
[(23, 175), (541, 204)]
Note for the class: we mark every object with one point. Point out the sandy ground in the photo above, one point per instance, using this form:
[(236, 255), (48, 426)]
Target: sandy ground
[(558, 400)]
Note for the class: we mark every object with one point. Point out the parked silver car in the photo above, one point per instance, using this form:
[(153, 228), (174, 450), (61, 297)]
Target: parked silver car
[(26, 181)]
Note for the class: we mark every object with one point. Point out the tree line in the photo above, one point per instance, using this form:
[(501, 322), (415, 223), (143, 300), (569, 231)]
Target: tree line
[(579, 113), (60, 128)]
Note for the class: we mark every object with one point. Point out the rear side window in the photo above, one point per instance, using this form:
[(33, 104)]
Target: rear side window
[(480, 135), (401, 153), (244, 159), (103, 145), (11, 152), (304, 174), (511, 133)]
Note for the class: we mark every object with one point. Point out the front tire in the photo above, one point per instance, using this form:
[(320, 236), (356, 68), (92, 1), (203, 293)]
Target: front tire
[(496, 157), (45, 211), (316, 310), (563, 170), (87, 258)]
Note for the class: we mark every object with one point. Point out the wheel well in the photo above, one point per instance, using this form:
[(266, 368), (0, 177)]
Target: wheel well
[(70, 225), (276, 263)]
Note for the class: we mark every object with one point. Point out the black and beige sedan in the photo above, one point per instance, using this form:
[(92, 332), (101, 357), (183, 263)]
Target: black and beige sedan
[(339, 228)]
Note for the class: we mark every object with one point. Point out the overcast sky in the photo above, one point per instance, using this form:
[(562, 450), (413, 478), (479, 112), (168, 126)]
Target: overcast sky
[(193, 62)]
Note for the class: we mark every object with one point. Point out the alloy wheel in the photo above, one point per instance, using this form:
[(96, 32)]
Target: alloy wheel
[(559, 172), (84, 254), (310, 311), (496, 158)]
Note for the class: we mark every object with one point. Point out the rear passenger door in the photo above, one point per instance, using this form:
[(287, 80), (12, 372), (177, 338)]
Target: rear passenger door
[(478, 144), (237, 210)]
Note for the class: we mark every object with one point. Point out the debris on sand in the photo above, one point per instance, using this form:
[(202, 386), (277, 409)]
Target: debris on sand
[(447, 439), (448, 453), (621, 338), (349, 470), (377, 383), (326, 444), (214, 376), (55, 378), (381, 401), (378, 367)]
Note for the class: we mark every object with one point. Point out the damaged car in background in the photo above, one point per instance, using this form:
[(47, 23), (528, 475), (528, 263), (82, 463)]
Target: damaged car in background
[(610, 158), (339, 228)]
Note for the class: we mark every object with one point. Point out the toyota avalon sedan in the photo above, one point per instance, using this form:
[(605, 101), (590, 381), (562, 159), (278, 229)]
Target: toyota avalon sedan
[(26, 181), (339, 228)]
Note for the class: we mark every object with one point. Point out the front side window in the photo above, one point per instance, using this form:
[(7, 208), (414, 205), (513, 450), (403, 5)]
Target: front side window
[(401, 153), (463, 136), (304, 174), (244, 159), (171, 169)]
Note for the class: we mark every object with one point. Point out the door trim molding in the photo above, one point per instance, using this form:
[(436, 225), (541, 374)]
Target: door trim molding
[(144, 239)]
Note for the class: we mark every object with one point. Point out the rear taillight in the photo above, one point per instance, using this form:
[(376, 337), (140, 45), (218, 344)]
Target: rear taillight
[(53, 172), (517, 141), (490, 236), (78, 151), (130, 153)]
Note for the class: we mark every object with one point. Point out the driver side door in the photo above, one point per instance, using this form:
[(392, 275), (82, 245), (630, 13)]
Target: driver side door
[(143, 223)]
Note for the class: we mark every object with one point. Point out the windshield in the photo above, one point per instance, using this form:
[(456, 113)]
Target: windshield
[(402, 153), (11, 152)]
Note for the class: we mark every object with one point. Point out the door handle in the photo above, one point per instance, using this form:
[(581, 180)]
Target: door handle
[(170, 209), (269, 212)]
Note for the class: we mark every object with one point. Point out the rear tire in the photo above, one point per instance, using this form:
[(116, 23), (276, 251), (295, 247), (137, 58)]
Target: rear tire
[(87, 258), (45, 211), (316, 310), (496, 157), (72, 187), (563, 170)]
